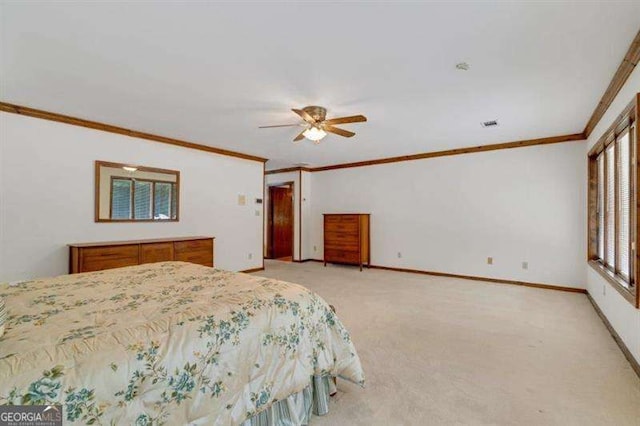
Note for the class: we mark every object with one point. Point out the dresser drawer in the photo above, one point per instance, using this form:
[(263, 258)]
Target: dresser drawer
[(156, 252), (99, 258), (341, 256), (201, 257), (192, 245)]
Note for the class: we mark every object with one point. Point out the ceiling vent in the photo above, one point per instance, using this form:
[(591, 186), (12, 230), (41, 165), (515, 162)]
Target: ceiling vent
[(492, 123)]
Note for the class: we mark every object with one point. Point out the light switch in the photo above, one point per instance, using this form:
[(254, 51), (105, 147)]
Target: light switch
[(242, 200)]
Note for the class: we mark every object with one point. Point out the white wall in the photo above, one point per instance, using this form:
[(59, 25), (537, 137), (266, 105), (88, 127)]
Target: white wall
[(47, 196), (624, 317), (307, 216), (449, 214)]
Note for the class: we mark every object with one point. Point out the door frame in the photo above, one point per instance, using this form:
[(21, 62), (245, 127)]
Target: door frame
[(269, 224)]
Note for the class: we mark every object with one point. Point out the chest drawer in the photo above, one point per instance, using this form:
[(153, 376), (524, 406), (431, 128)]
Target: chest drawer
[(352, 245), (341, 227), (339, 235), (341, 256), (99, 258), (342, 218)]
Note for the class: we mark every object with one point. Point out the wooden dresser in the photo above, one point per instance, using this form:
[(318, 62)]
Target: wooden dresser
[(346, 239), (87, 257)]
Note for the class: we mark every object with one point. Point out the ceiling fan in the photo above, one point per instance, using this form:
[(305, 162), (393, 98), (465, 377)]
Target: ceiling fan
[(317, 126)]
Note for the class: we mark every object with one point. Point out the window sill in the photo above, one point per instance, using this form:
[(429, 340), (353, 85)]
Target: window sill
[(615, 281)]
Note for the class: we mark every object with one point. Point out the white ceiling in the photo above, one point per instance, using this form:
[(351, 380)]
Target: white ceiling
[(213, 72)]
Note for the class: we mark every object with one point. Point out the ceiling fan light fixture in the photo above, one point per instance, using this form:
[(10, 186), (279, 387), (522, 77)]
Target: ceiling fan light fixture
[(314, 134)]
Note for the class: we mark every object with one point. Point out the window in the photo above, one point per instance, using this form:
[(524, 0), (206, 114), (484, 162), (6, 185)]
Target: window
[(142, 199), (612, 212)]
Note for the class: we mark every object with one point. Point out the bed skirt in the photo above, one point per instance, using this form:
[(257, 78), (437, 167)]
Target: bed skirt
[(297, 408)]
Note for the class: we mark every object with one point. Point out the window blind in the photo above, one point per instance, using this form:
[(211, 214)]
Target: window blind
[(162, 200), (121, 190), (174, 201), (600, 206), (610, 227), (624, 203), (142, 200)]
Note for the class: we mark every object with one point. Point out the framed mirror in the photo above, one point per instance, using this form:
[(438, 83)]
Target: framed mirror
[(131, 193)]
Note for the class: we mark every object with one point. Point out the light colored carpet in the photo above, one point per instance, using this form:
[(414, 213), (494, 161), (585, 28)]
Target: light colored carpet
[(442, 351)]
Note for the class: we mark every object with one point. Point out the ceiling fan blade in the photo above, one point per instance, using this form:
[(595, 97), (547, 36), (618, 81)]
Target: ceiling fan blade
[(305, 115), (300, 136), (281, 125), (341, 132), (343, 120)]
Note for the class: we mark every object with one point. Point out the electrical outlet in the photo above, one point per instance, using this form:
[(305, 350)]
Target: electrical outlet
[(315, 248), (250, 256), (525, 265), (399, 255), (257, 212), (604, 290), (489, 260)]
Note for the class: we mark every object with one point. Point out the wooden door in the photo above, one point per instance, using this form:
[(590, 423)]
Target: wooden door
[(281, 221)]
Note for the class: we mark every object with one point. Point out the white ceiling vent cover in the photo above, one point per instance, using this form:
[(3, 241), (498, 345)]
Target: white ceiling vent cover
[(492, 123)]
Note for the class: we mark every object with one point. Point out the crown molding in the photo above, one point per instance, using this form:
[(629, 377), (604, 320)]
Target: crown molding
[(52, 116), (621, 76), (287, 170), (434, 154)]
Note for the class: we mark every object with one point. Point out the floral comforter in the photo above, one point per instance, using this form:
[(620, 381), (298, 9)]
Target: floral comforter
[(166, 343)]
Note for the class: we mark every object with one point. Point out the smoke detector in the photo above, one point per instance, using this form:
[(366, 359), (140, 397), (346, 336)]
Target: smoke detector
[(490, 123), (463, 66)]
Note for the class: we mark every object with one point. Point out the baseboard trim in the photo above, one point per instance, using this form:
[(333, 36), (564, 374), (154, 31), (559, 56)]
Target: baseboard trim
[(492, 280), (248, 271), (474, 278), (616, 337)]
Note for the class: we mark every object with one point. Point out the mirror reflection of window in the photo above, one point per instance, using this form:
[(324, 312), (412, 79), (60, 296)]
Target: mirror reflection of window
[(143, 198), (132, 193), (121, 191), (162, 201)]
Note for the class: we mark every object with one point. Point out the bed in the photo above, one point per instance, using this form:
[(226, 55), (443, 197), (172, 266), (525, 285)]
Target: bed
[(172, 343)]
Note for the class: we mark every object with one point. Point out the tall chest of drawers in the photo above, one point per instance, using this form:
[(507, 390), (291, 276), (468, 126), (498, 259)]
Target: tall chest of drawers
[(347, 239)]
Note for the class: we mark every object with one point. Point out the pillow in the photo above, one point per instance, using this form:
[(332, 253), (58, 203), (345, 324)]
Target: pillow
[(3, 316)]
